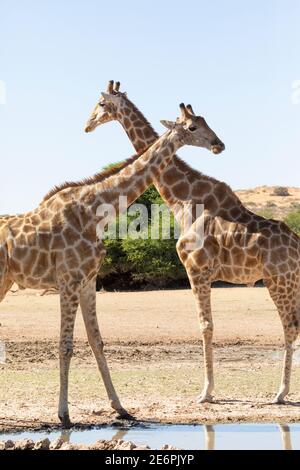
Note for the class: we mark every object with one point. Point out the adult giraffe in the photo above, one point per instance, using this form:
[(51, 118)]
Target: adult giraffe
[(240, 247), (56, 245)]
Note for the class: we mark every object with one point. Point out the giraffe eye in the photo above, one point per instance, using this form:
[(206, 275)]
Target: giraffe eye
[(192, 128), (102, 104)]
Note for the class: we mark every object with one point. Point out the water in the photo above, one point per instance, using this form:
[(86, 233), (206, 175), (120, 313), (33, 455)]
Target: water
[(190, 437)]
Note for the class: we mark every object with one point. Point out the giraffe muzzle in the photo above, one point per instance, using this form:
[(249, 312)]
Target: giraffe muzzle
[(87, 128), (217, 148)]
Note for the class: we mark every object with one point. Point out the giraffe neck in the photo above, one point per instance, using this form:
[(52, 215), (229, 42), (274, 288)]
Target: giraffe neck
[(135, 178), (139, 130), (175, 182)]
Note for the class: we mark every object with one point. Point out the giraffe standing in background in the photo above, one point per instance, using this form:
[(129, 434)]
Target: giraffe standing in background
[(240, 247), (56, 245)]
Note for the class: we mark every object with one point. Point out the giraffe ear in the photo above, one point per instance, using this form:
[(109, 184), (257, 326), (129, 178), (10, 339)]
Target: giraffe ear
[(106, 96), (168, 124), (109, 97)]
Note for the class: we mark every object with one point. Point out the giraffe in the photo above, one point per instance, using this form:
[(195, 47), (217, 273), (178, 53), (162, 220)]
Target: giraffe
[(56, 245), (240, 247)]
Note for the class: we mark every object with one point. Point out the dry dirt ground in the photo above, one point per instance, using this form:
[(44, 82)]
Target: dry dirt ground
[(154, 351), (262, 199)]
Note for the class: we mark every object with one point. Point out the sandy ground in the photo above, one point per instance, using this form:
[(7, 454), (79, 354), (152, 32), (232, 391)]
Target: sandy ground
[(154, 351), (262, 198)]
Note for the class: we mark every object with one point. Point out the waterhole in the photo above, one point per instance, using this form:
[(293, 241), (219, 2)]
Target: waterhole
[(190, 437)]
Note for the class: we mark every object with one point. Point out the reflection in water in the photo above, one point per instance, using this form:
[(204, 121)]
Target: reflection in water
[(286, 437), (120, 434), (209, 436), (66, 435)]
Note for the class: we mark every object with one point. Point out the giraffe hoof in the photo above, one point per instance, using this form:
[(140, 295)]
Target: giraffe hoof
[(65, 421), (205, 398), (279, 401), (123, 414)]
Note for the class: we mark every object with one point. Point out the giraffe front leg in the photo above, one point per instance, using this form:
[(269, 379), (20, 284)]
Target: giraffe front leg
[(69, 301), (206, 327), (201, 287), (287, 367), (88, 308)]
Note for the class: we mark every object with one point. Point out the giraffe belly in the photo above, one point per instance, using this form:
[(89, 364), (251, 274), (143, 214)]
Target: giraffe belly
[(31, 266), (47, 281), (239, 274)]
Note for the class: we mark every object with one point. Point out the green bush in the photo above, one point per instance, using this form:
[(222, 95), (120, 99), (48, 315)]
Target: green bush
[(293, 221), (135, 263), (148, 263)]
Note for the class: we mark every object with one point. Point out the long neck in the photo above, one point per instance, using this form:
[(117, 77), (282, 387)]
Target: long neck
[(172, 184), (135, 178), (139, 130)]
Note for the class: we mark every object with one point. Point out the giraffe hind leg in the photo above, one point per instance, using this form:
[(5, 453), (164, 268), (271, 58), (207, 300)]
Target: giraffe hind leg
[(88, 308), (288, 309)]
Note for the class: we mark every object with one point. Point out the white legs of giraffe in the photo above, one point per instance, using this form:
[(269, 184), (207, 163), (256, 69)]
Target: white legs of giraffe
[(290, 336), (286, 373), (69, 301), (88, 308), (201, 287)]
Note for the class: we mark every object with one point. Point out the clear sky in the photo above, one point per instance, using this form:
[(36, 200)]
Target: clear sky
[(235, 61)]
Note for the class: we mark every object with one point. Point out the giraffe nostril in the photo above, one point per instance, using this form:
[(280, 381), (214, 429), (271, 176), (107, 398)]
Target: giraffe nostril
[(217, 146)]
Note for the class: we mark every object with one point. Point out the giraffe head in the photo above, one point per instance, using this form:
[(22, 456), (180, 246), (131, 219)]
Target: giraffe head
[(107, 107), (193, 130)]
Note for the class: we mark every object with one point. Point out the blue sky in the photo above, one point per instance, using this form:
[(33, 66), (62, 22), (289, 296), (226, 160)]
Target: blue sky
[(234, 61)]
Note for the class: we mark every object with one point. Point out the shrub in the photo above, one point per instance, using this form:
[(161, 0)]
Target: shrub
[(136, 263), (293, 221), (281, 191)]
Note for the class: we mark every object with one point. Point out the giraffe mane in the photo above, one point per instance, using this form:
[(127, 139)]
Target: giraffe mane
[(97, 178)]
